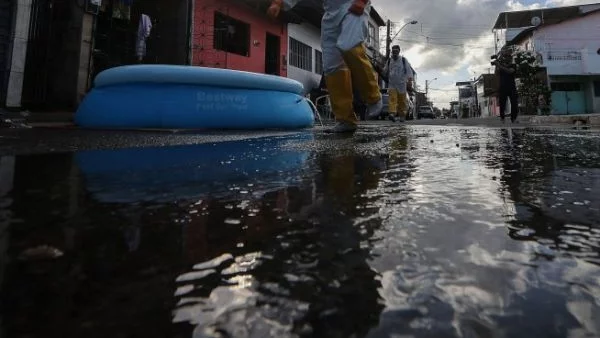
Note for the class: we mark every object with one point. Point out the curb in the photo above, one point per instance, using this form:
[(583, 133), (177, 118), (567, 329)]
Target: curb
[(68, 125), (590, 120)]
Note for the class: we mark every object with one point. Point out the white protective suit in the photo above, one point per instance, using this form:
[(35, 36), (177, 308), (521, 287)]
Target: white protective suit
[(345, 60), (340, 31), (400, 71)]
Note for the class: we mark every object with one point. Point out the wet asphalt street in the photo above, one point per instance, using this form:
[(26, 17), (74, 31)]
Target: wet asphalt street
[(398, 231)]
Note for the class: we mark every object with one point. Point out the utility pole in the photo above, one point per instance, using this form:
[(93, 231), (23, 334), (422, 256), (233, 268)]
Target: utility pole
[(427, 82), (474, 90), (388, 39)]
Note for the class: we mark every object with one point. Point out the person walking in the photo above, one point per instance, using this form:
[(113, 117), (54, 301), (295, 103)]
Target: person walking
[(344, 28), (507, 88), (400, 76)]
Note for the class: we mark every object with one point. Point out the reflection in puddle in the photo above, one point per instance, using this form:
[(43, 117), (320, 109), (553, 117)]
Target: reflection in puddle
[(429, 232), (162, 174)]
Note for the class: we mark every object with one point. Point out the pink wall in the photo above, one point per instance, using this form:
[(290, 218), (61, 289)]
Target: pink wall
[(577, 33), (260, 25)]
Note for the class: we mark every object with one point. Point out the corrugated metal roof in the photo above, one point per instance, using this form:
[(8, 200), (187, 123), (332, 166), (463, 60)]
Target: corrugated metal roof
[(527, 32), (521, 19)]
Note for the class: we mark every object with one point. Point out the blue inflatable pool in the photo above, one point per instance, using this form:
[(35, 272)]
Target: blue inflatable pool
[(188, 97)]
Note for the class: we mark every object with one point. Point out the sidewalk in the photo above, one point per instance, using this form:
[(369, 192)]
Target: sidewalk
[(46, 119), (584, 119), (65, 120)]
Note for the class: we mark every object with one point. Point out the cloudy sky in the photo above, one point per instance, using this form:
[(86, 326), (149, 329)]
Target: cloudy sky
[(453, 39)]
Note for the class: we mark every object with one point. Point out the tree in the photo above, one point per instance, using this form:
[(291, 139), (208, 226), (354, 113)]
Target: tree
[(532, 86)]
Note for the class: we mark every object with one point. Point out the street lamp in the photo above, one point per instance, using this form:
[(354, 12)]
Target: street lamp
[(414, 22), (389, 41)]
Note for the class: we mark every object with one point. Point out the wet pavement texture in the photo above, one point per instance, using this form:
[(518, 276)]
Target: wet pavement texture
[(418, 231)]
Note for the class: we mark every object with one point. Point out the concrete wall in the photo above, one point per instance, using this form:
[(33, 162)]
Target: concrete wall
[(19, 54), (311, 36), (591, 59), (260, 25)]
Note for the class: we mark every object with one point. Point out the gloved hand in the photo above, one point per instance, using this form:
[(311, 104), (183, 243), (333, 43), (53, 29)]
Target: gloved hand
[(409, 86), (275, 8), (358, 7)]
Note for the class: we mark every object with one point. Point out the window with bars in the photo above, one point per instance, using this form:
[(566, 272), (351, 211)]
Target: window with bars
[(564, 55), (300, 55), (318, 61), (231, 35), (372, 38)]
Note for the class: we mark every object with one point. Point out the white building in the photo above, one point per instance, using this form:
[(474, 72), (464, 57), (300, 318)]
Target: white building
[(467, 98), (304, 59), (567, 42), (304, 54), (486, 91)]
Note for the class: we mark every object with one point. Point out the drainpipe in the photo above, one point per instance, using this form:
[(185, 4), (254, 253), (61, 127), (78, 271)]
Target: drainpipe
[(190, 29), (92, 45)]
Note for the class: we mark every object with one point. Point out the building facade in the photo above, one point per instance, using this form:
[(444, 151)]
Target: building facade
[(238, 35), (305, 57), (50, 55), (467, 98), (570, 52), (43, 59), (57, 47), (486, 87), (566, 42)]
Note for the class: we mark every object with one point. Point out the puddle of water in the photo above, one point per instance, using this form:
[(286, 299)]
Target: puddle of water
[(432, 232)]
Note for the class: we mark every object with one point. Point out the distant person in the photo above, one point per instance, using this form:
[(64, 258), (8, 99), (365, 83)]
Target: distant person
[(400, 77), (344, 28), (507, 88)]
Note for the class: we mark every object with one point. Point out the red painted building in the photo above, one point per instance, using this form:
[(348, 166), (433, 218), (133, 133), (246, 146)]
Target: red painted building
[(237, 34)]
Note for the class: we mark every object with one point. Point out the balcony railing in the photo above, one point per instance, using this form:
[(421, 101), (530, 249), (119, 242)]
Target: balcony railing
[(565, 62), (563, 55)]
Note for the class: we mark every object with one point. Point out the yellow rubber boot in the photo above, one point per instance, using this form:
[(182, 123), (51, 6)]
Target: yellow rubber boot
[(363, 76), (339, 85), (393, 101)]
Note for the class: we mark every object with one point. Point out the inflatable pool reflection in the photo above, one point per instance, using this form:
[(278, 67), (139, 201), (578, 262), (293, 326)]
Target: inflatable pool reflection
[(162, 174)]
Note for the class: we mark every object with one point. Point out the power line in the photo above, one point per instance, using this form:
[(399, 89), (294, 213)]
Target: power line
[(453, 36), (443, 90), (446, 25), (445, 44)]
